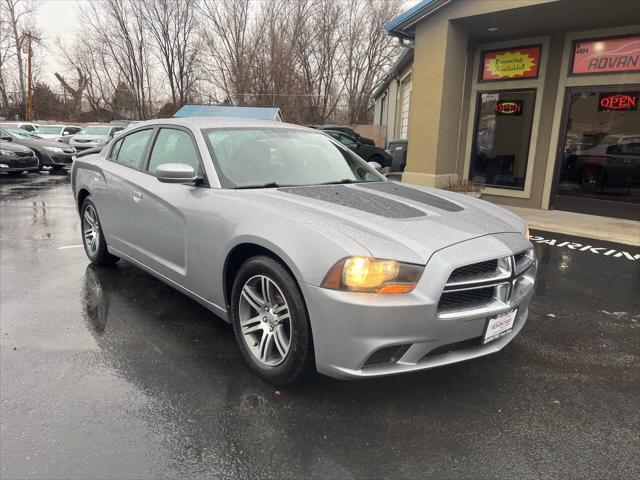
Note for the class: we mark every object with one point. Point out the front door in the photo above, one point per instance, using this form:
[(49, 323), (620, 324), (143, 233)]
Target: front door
[(160, 212), (598, 163)]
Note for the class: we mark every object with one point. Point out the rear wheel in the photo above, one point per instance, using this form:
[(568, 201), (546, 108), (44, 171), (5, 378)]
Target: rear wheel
[(270, 321), (92, 237)]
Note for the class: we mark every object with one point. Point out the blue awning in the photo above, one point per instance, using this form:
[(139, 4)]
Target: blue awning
[(404, 25), (260, 113)]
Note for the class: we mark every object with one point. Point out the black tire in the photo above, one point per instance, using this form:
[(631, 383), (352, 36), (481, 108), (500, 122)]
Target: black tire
[(298, 363), (101, 256), (591, 179)]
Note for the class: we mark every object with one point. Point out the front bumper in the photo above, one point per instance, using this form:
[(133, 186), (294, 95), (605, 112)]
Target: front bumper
[(18, 164), (51, 159), (350, 329)]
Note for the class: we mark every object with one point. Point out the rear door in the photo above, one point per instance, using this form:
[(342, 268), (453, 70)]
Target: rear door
[(161, 212), (113, 202)]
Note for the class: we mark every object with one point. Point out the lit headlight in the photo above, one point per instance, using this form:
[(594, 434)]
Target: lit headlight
[(55, 149), (7, 153), (373, 275), (526, 233)]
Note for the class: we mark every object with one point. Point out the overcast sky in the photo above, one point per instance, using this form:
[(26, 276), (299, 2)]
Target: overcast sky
[(56, 18)]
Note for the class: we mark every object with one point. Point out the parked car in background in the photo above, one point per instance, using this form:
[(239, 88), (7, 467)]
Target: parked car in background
[(50, 154), (347, 130), (613, 162), (15, 159), (316, 259), (370, 153), (28, 126), (95, 136), (57, 132)]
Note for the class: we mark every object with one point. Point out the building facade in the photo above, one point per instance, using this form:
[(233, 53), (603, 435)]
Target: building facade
[(534, 100)]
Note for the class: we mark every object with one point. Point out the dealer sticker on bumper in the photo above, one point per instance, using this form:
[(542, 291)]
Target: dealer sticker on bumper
[(499, 326)]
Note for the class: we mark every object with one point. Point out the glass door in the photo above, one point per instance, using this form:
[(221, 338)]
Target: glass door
[(598, 164)]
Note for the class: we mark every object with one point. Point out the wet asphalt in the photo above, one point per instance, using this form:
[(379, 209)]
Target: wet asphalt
[(108, 373)]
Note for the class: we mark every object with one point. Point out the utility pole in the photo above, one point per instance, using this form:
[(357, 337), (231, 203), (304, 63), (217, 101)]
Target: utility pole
[(29, 81)]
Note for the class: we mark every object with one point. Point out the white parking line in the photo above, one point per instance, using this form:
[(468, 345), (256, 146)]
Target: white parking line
[(605, 251), (70, 246)]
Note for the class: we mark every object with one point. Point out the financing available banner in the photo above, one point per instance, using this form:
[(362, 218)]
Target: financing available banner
[(512, 63)]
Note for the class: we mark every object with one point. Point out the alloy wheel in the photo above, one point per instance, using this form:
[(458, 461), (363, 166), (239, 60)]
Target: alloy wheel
[(265, 320), (91, 230)]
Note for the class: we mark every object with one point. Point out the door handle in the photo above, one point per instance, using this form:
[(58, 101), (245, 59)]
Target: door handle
[(137, 196)]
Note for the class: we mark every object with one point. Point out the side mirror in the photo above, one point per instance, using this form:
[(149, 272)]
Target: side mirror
[(6, 139), (375, 165), (176, 173)]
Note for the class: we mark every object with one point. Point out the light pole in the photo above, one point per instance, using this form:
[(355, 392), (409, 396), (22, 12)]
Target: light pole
[(29, 52)]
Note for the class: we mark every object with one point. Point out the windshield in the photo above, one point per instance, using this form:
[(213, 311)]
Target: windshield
[(19, 133), (283, 157), (95, 131), (49, 130)]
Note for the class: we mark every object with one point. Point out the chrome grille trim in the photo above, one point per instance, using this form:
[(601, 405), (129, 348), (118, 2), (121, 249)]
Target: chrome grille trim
[(494, 281)]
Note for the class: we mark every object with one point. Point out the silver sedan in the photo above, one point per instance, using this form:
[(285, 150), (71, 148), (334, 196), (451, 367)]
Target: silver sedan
[(318, 261)]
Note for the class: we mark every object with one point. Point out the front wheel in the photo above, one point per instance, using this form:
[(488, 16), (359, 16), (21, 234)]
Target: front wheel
[(92, 236), (270, 321)]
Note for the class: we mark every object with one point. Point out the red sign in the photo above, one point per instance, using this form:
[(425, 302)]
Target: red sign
[(614, 102), (509, 107), (607, 55), (519, 62)]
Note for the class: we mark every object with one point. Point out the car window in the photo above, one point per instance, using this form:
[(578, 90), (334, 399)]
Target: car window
[(50, 130), (28, 128), (253, 157), (70, 130), (95, 131), (173, 146), (347, 141), (130, 149)]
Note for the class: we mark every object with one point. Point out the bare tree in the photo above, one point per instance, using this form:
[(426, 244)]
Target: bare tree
[(232, 41), (173, 25), (368, 52), (17, 18), (122, 48)]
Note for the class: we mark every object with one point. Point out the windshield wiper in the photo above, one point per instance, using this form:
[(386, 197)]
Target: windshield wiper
[(342, 182), (263, 185)]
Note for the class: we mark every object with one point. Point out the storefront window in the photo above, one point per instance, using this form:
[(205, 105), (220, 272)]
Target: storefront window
[(601, 155), (502, 136)]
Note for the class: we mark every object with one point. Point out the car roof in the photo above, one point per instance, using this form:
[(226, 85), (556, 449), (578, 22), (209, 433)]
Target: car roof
[(221, 122)]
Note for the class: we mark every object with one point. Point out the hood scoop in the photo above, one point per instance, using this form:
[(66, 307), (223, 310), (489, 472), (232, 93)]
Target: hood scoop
[(357, 199), (392, 188)]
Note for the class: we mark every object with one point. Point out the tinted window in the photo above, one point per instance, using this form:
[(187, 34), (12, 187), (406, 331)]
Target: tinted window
[(173, 146), (503, 129), (131, 148), (28, 128)]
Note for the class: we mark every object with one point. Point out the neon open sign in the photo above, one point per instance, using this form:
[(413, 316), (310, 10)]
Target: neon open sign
[(614, 102), (509, 107)]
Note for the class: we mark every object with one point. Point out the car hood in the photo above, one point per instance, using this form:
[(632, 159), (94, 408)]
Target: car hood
[(48, 136), (390, 219), (13, 147), (90, 138), (33, 143)]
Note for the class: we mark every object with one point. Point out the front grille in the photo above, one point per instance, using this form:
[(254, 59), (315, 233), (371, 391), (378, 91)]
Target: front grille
[(482, 286), (24, 154), (474, 271), (466, 299)]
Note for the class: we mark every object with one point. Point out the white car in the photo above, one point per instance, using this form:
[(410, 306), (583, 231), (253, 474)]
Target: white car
[(57, 132)]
